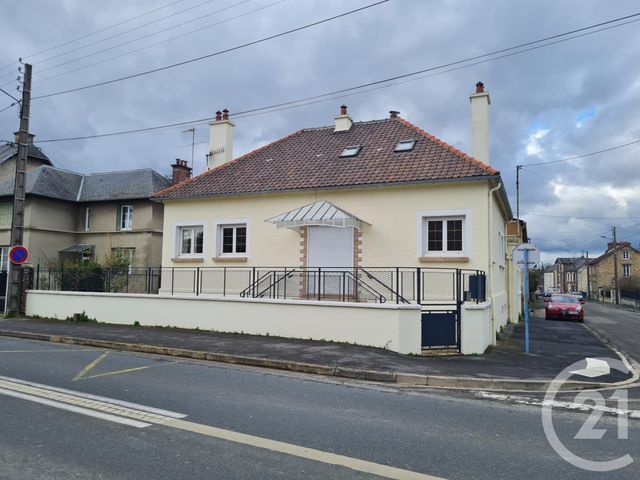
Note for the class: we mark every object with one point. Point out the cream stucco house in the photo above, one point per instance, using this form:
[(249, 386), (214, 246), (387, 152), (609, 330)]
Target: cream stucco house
[(371, 194)]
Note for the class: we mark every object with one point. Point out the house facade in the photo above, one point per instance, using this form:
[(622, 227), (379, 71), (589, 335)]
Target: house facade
[(549, 278), (73, 217), (601, 270), (371, 194), (570, 274)]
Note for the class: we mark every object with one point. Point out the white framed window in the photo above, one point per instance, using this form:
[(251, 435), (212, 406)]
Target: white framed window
[(128, 254), (444, 233), (87, 219), (126, 217), (501, 249), (232, 238), (4, 259), (190, 241), (626, 255), (6, 212), (626, 270)]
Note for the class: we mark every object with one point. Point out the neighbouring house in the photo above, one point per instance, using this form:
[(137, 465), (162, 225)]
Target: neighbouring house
[(379, 195), (516, 234), (73, 216), (601, 270), (549, 279), (567, 276)]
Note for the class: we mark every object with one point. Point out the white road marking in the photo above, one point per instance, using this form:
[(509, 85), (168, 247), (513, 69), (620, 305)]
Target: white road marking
[(75, 409), (595, 368), (559, 404), (141, 416)]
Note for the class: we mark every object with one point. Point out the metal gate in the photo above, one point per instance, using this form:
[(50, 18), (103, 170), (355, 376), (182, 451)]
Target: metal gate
[(441, 329)]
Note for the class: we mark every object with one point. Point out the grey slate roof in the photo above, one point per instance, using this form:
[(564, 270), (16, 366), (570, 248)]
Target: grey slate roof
[(54, 182), (9, 150)]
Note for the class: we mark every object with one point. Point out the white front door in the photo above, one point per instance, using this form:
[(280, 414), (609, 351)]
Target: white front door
[(330, 247)]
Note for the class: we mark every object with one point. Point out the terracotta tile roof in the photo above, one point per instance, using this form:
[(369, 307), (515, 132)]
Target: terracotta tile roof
[(310, 158)]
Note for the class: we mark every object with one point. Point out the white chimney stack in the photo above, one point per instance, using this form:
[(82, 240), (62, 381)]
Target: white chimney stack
[(480, 102), (220, 140), (343, 121)]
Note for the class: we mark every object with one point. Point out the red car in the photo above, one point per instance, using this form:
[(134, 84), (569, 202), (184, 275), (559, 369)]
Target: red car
[(564, 307)]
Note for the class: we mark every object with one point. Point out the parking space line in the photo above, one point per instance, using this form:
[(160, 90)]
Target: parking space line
[(49, 351), (88, 368), (126, 370)]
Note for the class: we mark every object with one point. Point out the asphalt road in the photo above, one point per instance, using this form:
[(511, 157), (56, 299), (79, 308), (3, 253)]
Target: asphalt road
[(620, 326), (293, 426)]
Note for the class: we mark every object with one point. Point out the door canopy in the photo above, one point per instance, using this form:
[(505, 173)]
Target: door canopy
[(320, 213)]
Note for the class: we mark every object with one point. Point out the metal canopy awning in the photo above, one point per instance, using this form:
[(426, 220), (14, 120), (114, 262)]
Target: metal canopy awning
[(320, 213), (79, 248)]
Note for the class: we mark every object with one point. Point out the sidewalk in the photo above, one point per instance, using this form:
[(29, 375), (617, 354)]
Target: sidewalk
[(554, 346)]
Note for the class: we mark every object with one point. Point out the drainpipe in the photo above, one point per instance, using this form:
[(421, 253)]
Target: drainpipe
[(491, 264)]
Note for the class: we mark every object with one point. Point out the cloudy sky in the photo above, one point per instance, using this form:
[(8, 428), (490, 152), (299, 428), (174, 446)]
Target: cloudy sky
[(568, 99)]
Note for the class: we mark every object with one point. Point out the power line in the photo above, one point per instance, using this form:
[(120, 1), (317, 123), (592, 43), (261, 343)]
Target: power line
[(580, 217), (94, 32), (579, 187), (115, 35), (9, 95), (616, 147), (115, 57), (377, 84), (9, 106), (220, 52)]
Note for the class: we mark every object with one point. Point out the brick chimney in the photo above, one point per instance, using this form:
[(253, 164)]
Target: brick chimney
[(343, 121), (181, 171), (480, 102), (220, 140)]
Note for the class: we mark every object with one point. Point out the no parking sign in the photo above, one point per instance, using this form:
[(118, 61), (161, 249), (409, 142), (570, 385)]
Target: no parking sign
[(18, 255)]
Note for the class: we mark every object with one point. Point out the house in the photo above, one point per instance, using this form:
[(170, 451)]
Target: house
[(602, 269), (73, 216), (566, 274), (378, 195), (516, 234), (549, 278)]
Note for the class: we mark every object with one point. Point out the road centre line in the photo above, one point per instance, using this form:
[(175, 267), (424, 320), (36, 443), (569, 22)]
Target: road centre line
[(141, 416)]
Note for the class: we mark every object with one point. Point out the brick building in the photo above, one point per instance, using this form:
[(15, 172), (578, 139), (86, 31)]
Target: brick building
[(601, 269)]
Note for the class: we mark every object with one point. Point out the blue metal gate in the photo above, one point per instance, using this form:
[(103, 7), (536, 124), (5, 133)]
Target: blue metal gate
[(441, 329)]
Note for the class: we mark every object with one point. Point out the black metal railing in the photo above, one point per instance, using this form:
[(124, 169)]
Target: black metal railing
[(426, 286)]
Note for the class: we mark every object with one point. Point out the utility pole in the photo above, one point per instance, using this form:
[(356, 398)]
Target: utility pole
[(19, 192), (193, 142), (588, 277), (518, 167), (615, 265)]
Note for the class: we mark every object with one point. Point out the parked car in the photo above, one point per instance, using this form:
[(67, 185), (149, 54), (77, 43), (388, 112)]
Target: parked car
[(566, 307)]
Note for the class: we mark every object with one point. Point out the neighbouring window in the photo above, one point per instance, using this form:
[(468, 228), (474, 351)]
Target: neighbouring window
[(126, 255), (4, 259), (191, 240), (87, 219), (126, 217), (626, 255), (444, 235), (232, 239), (501, 249), (6, 211), (626, 270)]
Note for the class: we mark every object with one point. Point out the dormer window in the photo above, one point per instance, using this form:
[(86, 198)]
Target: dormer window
[(405, 146), (351, 151)]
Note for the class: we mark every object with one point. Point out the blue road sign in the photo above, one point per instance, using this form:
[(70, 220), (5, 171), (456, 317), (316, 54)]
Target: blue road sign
[(18, 254)]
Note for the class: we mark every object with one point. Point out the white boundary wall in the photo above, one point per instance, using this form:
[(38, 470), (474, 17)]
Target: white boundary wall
[(391, 326), (475, 328)]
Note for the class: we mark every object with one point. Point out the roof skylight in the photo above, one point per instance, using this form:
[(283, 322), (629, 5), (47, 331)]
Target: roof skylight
[(405, 146), (351, 151)]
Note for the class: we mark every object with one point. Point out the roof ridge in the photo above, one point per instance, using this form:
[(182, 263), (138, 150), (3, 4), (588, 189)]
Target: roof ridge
[(120, 171), (361, 122), (224, 165), (447, 146)]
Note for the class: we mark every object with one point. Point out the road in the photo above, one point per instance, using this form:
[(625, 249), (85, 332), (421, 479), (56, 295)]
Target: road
[(221, 421), (620, 326)]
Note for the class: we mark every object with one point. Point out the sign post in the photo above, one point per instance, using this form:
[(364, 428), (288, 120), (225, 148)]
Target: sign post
[(525, 256)]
